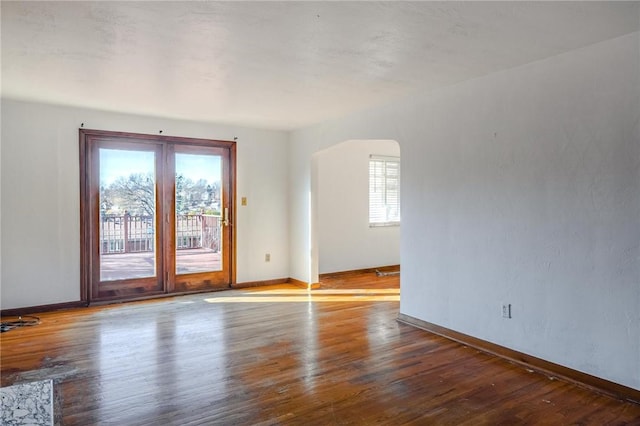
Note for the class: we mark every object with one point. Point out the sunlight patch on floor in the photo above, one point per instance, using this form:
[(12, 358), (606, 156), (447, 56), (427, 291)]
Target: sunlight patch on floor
[(284, 291), (289, 296)]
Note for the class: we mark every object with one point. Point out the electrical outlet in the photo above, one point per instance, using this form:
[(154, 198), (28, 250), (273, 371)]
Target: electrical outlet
[(506, 310), (267, 257)]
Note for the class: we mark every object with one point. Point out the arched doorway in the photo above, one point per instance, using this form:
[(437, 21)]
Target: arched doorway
[(342, 236)]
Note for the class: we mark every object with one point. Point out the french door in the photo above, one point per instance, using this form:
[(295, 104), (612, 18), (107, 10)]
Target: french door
[(157, 214)]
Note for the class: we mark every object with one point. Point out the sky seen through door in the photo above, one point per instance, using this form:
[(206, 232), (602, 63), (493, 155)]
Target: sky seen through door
[(116, 162)]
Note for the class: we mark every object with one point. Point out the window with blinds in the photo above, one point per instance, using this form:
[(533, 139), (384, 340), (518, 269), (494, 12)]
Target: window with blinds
[(384, 191)]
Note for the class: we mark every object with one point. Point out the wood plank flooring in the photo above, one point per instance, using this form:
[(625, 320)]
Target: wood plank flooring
[(276, 355)]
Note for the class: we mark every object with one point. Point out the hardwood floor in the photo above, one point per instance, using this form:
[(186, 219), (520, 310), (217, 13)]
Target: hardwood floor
[(277, 355)]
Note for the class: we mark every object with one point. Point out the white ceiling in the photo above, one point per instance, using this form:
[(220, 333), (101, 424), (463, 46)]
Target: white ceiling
[(280, 65)]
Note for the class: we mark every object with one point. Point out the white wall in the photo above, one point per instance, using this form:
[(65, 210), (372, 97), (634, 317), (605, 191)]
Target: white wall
[(522, 187), (40, 197), (345, 240), (0, 205)]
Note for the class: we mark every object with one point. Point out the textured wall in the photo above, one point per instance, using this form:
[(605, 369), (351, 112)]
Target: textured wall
[(520, 187)]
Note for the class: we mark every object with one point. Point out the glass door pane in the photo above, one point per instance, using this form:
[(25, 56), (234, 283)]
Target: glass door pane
[(199, 213), (127, 206)]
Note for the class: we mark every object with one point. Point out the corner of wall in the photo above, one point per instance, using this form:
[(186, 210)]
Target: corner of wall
[(0, 199)]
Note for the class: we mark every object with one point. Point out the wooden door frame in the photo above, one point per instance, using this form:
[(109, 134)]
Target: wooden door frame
[(198, 281), (87, 139)]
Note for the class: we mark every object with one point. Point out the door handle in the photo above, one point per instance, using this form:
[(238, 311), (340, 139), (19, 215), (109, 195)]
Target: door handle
[(225, 221)]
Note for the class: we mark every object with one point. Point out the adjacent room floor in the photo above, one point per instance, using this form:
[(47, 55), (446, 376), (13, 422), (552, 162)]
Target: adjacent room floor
[(279, 355)]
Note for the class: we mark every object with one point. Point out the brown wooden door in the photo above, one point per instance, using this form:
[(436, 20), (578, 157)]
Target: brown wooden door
[(156, 215), (201, 218)]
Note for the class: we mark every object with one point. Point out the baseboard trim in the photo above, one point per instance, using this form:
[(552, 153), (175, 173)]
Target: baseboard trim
[(42, 308), (340, 274), (262, 283), (303, 284), (542, 366)]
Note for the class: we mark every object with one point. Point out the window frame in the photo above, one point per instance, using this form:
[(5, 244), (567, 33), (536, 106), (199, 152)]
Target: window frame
[(393, 219)]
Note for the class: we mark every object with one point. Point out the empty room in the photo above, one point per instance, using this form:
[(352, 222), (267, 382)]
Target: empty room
[(320, 213)]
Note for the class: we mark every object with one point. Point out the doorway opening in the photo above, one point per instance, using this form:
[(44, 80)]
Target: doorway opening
[(344, 237)]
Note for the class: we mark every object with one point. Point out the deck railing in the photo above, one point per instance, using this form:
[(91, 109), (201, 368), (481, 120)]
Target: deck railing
[(136, 233)]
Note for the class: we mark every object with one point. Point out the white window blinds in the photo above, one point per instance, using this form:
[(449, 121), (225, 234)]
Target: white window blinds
[(384, 191)]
